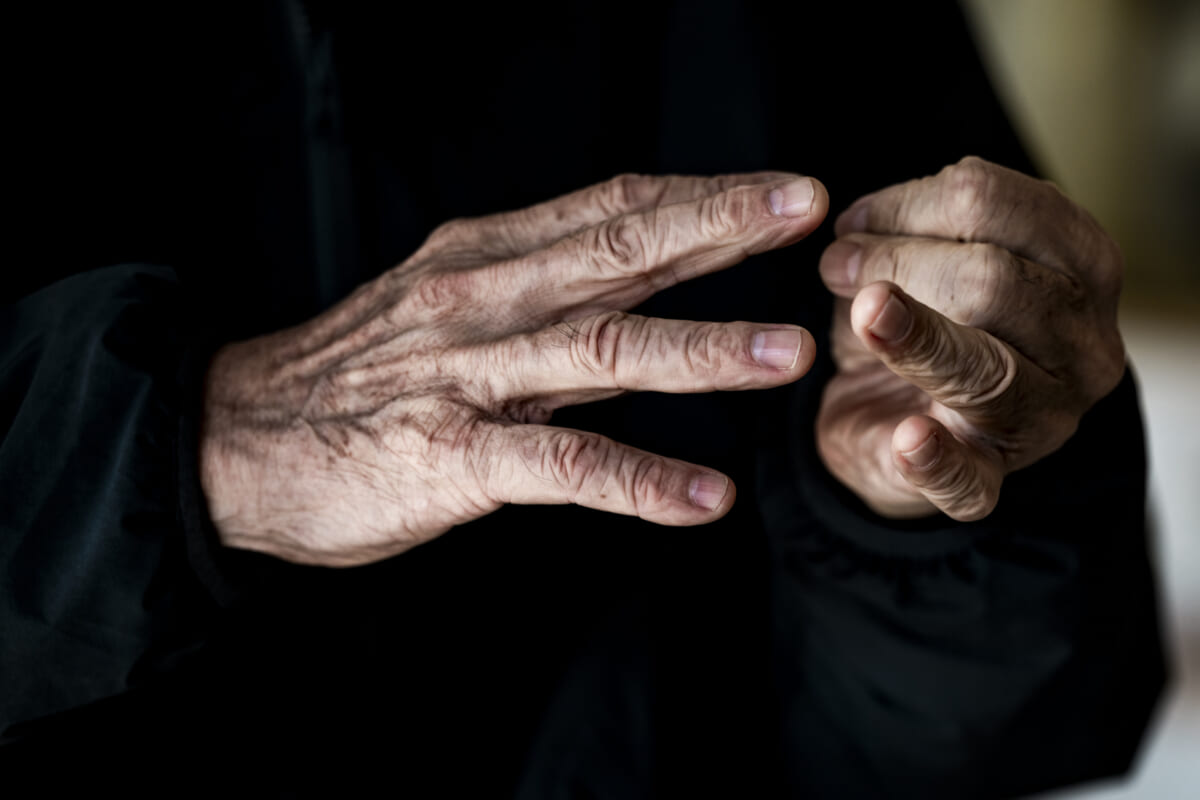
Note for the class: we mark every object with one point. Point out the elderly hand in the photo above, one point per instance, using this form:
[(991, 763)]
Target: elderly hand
[(421, 401), (975, 323)]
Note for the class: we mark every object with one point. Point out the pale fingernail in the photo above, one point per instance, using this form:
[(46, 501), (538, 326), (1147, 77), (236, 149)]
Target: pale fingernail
[(853, 262), (893, 322), (708, 490), (925, 455), (794, 199), (777, 349), (855, 218)]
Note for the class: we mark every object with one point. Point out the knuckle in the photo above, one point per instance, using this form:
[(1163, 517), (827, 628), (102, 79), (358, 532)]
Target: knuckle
[(990, 378), (722, 215), (599, 346), (644, 487), (620, 243), (995, 264), (989, 282), (441, 294), (885, 262), (982, 375), (703, 347), (446, 234), (966, 188), (572, 458), (626, 191)]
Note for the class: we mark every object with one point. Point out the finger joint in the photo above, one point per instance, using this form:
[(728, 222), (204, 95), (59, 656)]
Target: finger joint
[(572, 458), (442, 294), (967, 196), (601, 343), (619, 244), (987, 380), (626, 192)]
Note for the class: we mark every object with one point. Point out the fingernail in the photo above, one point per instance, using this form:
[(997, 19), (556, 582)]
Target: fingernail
[(794, 199), (708, 490), (926, 454), (893, 322), (853, 262), (778, 349), (854, 219)]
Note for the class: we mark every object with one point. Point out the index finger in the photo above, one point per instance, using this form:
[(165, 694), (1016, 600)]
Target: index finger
[(626, 259), (977, 201), (514, 233)]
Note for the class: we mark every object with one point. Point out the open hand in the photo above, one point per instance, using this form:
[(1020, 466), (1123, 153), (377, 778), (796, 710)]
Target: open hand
[(421, 401), (975, 323)]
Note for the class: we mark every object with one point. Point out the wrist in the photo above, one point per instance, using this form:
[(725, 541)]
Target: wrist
[(224, 479)]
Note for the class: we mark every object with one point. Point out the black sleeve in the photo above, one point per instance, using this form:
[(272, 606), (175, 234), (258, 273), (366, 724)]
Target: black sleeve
[(935, 658), (98, 481), (986, 659)]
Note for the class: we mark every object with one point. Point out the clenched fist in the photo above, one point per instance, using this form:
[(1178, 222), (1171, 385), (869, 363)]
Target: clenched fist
[(422, 400), (976, 322)]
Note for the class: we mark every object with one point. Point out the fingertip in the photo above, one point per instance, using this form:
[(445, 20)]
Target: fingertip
[(880, 314), (789, 351), (803, 198), (808, 354), (839, 266), (917, 443), (856, 218), (712, 493), (820, 206), (707, 490)]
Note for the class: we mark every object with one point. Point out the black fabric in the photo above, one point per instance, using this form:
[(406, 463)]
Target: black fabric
[(276, 154)]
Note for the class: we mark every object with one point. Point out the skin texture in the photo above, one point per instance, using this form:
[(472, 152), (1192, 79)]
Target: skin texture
[(422, 401), (975, 323)]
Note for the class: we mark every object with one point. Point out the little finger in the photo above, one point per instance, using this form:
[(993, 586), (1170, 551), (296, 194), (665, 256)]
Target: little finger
[(626, 259), (538, 464), (514, 233)]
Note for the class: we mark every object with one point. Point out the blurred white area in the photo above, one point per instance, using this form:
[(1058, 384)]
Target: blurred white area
[(1166, 357), (1106, 94)]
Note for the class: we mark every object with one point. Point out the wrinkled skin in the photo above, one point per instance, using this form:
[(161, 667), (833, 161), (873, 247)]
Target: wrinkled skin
[(421, 401), (975, 323)]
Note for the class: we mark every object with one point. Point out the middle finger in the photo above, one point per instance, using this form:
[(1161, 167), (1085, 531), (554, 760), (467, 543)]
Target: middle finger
[(624, 260), (615, 352)]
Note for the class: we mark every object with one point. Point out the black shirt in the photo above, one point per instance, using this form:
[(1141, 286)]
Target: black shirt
[(192, 177)]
